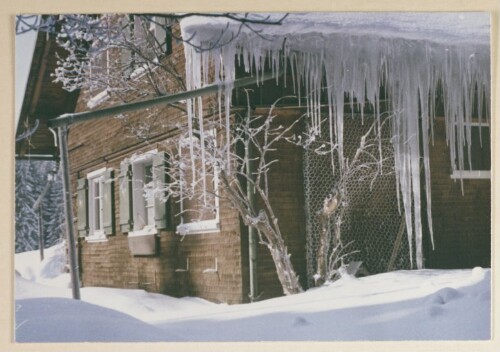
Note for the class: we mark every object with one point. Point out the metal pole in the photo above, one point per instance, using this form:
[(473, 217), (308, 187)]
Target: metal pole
[(40, 232), (68, 206), (252, 235), (68, 119)]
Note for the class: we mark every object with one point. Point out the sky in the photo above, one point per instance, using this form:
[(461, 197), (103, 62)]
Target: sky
[(25, 44)]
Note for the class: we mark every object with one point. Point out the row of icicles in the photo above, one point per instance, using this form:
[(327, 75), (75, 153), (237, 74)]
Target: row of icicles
[(412, 72)]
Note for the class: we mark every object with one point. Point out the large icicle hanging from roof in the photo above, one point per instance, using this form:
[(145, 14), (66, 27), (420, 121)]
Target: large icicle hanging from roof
[(357, 60)]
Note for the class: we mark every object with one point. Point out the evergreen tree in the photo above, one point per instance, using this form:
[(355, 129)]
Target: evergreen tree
[(31, 179)]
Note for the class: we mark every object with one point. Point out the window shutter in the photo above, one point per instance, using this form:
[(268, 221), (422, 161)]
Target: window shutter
[(160, 33), (82, 207), (125, 179), (160, 177), (126, 58), (108, 203)]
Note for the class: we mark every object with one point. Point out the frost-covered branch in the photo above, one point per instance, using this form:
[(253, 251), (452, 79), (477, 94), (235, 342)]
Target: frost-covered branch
[(201, 177), (364, 166)]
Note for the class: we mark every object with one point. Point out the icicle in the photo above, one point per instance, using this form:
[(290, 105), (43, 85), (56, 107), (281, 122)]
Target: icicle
[(412, 72)]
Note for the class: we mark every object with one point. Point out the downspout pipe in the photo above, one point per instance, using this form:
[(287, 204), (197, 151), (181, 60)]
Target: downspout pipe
[(70, 228), (252, 235)]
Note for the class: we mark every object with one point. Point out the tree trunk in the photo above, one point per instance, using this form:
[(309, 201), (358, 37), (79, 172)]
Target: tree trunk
[(330, 205), (270, 230), (284, 268)]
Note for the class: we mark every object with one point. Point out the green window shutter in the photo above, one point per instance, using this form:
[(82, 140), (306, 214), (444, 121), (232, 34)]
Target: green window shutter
[(82, 207), (160, 178), (125, 179), (108, 202)]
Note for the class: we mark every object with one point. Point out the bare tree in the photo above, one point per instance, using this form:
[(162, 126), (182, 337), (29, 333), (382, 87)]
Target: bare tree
[(252, 142), (363, 167)]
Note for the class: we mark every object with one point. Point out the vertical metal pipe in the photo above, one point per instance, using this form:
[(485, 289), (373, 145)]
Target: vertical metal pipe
[(252, 235), (68, 208), (41, 243)]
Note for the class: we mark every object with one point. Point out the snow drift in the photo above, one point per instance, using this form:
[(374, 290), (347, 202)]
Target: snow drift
[(401, 305)]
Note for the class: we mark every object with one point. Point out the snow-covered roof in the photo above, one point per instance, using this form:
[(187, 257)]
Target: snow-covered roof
[(471, 27)]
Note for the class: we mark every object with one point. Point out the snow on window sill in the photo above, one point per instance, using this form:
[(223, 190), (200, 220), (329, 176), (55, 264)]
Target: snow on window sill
[(141, 70), (199, 227), (477, 174), (96, 237), (98, 99), (148, 230)]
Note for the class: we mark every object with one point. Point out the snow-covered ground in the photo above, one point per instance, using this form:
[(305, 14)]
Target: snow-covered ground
[(402, 305)]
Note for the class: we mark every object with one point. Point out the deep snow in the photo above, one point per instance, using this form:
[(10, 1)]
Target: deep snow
[(402, 305)]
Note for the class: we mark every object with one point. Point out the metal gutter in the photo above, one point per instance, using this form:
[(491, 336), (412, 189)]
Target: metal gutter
[(68, 119)]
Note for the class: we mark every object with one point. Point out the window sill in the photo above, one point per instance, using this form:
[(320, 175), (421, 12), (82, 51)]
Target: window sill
[(97, 237), (98, 99), (145, 231), (200, 227), (483, 174)]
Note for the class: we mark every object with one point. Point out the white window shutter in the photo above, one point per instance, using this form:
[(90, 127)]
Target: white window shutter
[(82, 207), (125, 179), (160, 178), (160, 33), (126, 59), (108, 203)]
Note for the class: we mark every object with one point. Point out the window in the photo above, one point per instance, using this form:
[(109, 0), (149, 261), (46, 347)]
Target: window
[(143, 194), (95, 205), (200, 201), (143, 210), (477, 161)]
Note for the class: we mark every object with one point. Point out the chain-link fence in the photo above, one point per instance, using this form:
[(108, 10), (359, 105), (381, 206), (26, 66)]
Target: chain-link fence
[(371, 221)]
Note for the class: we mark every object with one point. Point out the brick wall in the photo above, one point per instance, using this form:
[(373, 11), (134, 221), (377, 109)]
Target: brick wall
[(286, 195), (462, 223), (106, 142), (111, 264)]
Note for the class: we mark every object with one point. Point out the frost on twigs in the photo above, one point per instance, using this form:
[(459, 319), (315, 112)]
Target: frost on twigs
[(201, 175)]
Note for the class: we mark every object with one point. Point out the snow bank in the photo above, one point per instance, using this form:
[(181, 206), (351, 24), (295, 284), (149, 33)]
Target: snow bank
[(29, 266), (401, 305), (68, 320)]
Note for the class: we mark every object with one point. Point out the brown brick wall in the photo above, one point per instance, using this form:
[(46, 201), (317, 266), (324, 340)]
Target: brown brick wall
[(462, 223), (111, 264), (286, 195)]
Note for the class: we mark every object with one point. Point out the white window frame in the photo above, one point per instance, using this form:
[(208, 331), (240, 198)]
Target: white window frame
[(472, 174), (139, 202), (96, 177), (203, 226)]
